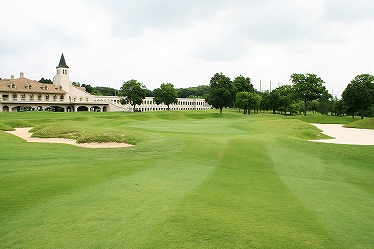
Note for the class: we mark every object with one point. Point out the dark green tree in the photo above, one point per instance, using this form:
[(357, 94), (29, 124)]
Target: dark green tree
[(254, 102), (309, 87), (314, 105), (265, 101), (166, 94), (45, 81), (242, 101), (89, 88), (285, 98), (222, 92), (243, 84), (274, 101), (132, 92), (198, 91), (104, 91), (358, 96)]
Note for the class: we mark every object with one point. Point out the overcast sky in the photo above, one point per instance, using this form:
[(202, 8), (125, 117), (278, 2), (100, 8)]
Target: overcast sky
[(185, 42)]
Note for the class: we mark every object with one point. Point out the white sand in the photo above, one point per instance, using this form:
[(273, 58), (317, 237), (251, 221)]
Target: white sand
[(25, 134), (345, 135)]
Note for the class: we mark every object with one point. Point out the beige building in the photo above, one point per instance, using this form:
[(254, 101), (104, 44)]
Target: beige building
[(22, 94)]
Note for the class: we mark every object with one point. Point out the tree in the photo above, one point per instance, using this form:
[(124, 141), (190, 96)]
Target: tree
[(274, 100), (243, 84), (104, 91), (309, 87), (89, 88), (359, 94), (166, 94), (254, 102), (285, 98), (222, 92), (45, 81), (242, 101), (314, 105), (265, 101), (198, 91), (133, 92), (247, 101)]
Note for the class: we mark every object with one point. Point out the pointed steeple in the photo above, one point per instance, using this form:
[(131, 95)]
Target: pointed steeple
[(62, 63)]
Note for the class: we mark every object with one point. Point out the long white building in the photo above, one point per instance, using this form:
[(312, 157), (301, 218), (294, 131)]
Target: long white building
[(22, 94)]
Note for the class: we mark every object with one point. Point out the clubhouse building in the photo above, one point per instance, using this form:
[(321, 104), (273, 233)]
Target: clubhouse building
[(23, 94)]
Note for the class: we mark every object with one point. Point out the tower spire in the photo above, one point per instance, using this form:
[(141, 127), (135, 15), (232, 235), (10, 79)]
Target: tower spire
[(62, 63)]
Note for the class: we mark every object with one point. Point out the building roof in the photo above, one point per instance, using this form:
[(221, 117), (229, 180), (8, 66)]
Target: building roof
[(62, 63), (24, 85)]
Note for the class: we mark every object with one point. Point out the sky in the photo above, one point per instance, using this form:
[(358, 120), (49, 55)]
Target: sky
[(185, 42)]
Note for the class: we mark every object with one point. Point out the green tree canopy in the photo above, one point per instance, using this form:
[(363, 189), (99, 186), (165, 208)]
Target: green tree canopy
[(285, 98), (309, 87), (265, 100), (359, 94), (242, 101), (89, 88), (243, 84), (132, 92), (45, 81), (166, 94), (198, 91), (222, 92)]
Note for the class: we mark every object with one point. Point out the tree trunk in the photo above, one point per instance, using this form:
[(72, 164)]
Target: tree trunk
[(133, 108), (362, 114), (220, 110), (305, 107)]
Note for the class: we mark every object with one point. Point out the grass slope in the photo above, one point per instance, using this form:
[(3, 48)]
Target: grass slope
[(193, 180)]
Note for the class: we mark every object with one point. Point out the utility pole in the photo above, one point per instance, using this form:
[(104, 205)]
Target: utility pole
[(270, 86)]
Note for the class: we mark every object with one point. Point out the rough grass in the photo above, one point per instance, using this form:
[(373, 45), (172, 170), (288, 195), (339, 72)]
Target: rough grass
[(76, 130), (194, 180)]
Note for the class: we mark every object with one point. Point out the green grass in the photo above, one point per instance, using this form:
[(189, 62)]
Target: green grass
[(367, 123), (193, 180)]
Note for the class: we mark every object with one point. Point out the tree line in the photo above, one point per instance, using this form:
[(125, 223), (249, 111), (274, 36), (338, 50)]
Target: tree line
[(307, 93)]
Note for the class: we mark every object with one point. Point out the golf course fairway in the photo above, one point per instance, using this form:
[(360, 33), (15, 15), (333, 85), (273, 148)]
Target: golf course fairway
[(193, 179)]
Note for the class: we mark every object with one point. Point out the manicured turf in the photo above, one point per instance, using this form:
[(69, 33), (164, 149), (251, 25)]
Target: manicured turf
[(193, 180)]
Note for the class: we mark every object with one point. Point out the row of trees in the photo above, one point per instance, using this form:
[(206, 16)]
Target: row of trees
[(133, 92), (307, 92), (241, 93)]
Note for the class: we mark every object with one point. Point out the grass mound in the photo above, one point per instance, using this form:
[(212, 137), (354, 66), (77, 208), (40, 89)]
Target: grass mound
[(4, 127), (366, 123), (78, 131), (17, 123)]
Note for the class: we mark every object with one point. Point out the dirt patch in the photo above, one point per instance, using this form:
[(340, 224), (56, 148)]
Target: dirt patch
[(344, 135), (26, 135)]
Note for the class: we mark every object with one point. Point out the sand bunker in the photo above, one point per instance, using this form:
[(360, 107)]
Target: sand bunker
[(25, 134), (345, 135)]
